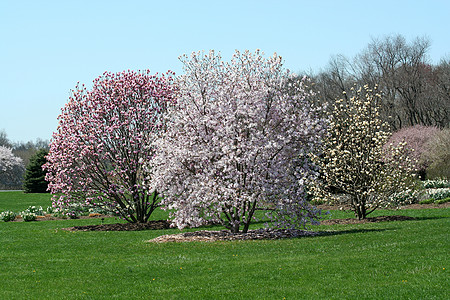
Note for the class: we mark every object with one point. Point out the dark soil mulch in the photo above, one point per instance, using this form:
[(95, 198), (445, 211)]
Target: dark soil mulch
[(226, 235), (161, 224)]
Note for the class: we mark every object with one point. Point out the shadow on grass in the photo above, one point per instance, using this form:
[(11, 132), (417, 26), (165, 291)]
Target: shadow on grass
[(351, 231), (430, 218)]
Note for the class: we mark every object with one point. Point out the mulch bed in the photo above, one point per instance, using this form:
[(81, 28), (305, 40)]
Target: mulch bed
[(155, 225), (226, 235), (222, 235)]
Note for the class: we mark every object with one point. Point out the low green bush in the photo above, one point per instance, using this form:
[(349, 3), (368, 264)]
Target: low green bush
[(28, 216), (426, 201), (7, 216), (438, 194), (442, 201), (436, 183)]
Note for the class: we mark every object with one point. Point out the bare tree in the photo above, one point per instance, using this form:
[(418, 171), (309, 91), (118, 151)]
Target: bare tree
[(414, 91)]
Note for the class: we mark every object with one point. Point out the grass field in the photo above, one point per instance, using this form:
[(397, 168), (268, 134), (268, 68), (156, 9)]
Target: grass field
[(388, 260), (19, 201)]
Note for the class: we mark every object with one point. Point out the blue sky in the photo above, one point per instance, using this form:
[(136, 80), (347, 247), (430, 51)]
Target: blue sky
[(47, 46)]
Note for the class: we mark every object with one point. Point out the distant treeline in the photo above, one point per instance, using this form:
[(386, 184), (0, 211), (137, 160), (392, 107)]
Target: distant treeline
[(24, 150), (414, 91)]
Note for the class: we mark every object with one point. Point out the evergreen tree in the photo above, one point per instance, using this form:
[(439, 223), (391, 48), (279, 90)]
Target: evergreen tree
[(34, 181)]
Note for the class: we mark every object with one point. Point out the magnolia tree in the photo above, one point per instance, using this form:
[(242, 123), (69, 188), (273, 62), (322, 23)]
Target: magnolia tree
[(437, 153), (236, 140), (354, 167), (416, 137), (11, 167), (97, 153)]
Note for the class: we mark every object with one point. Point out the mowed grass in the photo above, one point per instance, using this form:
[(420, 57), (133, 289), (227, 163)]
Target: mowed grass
[(19, 201), (389, 260)]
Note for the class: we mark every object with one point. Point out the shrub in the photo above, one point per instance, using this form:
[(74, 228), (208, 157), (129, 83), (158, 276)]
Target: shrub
[(438, 194), (436, 183), (39, 211), (28, 216), (438, 154), (34, 180), (426, 201), (442, 201), (7, 216), (416, 138)]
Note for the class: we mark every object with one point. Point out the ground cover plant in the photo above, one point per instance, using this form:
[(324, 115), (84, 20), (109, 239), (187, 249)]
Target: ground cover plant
[(40, 260)]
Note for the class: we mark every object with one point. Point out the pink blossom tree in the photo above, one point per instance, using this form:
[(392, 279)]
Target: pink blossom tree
[(416, 137), (97, 153), (236, 140)]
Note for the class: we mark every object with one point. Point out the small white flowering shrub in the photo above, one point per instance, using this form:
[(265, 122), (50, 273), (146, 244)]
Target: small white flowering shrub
[(436, 183), (7, 216), (438, 194), (38, 211), (28, 216)]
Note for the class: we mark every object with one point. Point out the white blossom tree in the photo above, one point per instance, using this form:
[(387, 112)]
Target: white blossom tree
[(354, 168), (11, 167), (236, 140)]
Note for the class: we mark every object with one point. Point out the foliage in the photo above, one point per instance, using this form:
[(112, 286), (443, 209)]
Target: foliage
[(442, 201), (7, 216), (97, 153), (436, 183), (353, 164), (409, 196), (426, 201), (237, 139), (438, 153), (28, 216), (34, 180), (39, 211), (438, 194), (416, 138)]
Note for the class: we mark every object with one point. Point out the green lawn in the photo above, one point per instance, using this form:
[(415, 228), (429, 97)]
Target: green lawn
[(19, 201), (390, 260)]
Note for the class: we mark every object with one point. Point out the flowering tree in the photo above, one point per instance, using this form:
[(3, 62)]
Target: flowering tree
[(437, 153), (97, 153), (236, 140), (11, 167), (354, 167), (416, 138)]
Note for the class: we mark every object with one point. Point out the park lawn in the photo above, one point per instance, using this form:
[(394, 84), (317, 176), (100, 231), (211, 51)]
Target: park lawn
[(387, 260), (19, 201)]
